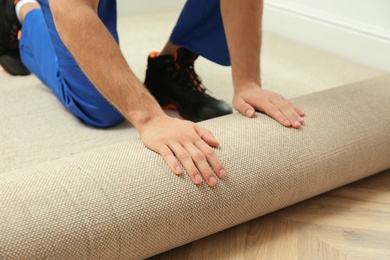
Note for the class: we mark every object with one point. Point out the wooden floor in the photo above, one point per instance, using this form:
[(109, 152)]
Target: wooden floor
[(352, 222)]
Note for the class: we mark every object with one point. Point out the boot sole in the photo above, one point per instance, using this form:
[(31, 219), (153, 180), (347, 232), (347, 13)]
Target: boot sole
[(13, 66), (182, 113)]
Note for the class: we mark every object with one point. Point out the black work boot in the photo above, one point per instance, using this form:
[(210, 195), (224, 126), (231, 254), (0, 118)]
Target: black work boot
[(12, 64), (9, 40), (175, 85)]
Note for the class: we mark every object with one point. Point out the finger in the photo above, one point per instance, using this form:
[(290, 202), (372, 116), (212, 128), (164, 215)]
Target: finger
[(170, 159), (300, 118), (289, 112), (212, 158), (274, 112), (206, 136), (244, 108), (201, 163), (299, 111), (186, 160)]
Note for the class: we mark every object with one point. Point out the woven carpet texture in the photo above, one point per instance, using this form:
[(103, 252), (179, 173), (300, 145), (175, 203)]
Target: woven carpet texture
[(112, 203)]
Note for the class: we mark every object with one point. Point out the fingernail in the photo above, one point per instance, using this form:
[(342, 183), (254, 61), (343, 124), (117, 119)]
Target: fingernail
[(249, 112), (222, 173), (212, 181), (300, 119), (178, 169), (198, 179), (296, 123), (287, 122)]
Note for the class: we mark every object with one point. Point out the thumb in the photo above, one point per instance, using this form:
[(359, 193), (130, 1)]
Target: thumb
[(243, 107)]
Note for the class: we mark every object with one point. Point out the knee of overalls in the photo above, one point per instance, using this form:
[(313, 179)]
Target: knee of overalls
[(96, 113)]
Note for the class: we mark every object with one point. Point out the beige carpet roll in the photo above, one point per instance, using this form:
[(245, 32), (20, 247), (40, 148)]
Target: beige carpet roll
[(122, 201)]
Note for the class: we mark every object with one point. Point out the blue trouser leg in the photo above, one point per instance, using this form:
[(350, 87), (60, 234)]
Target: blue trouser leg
[(45, 55), (200, 29)]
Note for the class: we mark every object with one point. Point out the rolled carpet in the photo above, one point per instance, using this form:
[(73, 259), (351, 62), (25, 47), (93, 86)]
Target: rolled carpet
[(122, 201)]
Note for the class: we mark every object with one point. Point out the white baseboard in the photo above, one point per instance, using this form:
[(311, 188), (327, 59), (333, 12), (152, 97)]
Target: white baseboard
[(356, 41)]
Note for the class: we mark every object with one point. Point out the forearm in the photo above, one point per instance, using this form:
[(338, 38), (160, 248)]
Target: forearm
[(242, 23), (100, 58), (179, 142)]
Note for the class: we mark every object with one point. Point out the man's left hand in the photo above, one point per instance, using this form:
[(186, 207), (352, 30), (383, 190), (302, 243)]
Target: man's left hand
[(251, 97)]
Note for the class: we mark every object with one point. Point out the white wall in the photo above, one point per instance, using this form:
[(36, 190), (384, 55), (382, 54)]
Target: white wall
[(356, 29)]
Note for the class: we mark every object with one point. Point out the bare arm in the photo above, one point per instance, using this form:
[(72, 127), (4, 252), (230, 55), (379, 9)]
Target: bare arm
[(242, 21), (100, 58)]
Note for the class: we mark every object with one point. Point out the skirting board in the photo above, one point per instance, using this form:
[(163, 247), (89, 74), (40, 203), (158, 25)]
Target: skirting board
[(347, 38)]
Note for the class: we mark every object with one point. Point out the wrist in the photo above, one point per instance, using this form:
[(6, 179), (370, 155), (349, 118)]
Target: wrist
[(146, 110), (141, 119), (244, 85)]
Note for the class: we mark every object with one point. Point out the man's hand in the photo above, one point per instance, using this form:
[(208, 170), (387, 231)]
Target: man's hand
[(243, 20), (251, 97), (191, 144)]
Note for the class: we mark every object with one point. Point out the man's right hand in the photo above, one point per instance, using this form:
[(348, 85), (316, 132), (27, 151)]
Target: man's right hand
[(186, 143)]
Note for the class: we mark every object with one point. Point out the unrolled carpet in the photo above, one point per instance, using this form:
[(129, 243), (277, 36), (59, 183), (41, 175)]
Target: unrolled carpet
[(122, 201)]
